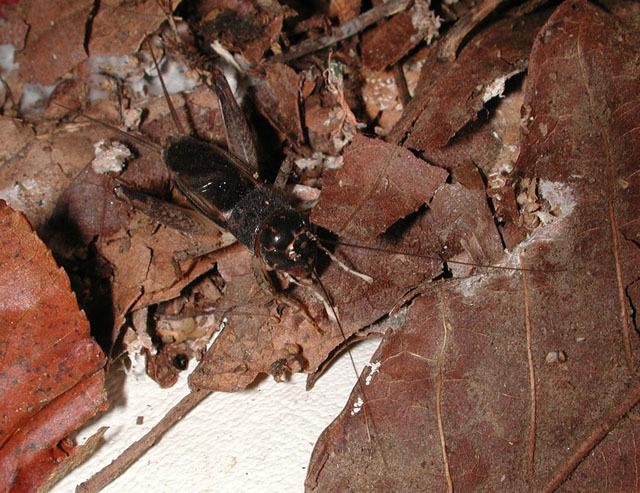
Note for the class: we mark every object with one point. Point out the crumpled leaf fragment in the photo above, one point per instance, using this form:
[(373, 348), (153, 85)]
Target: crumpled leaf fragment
[(108, 38), (378, 184), (277, 99), (55, 41), (390, 40), (53, 47), (450, 95)]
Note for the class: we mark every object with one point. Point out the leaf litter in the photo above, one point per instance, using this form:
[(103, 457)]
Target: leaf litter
[(463, 394)]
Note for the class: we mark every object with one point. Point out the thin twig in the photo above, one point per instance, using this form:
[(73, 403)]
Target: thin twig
[(563, 470), (450, 44), (109, 473), (401, 84), (343, 31)]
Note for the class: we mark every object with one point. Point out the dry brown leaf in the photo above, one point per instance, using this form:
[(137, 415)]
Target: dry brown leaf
[(379, 184), (392, 39), (13, 30), (450, 95), (277, 99), (119, 27), (51, 373)]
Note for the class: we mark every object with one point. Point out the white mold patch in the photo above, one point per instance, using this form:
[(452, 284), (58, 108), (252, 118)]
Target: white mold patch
[(110, 158), (375, 366), (562, 202), (496, 88), (357, 405)]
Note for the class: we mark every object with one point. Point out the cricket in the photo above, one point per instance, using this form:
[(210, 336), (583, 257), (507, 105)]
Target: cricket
[(453, 191)]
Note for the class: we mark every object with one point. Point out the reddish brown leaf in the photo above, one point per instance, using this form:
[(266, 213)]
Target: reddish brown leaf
[(455, 381), (464, 224), (612, 466), (88, 207), (344, 10), (14, 30), (378, 184), (277, 99), (35, 169), (107, 34), (451, 94), (392, 39), (490, 145), (32, 454), (51, 379), (53, 46), (14, 135), (256, 330), (144, 270)]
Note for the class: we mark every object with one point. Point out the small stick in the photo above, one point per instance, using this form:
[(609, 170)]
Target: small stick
[(467, 22), (564, 469), (343, 31), (401, 84), (109, 473)]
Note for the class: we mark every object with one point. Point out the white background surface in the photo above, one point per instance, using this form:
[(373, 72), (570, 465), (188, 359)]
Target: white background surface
[(259, 440)]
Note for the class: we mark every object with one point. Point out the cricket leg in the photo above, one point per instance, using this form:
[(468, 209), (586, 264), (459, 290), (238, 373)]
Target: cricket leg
[(187, 221), (267, 284)]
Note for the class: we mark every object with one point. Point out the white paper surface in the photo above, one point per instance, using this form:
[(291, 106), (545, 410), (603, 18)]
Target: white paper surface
[(259, 440)]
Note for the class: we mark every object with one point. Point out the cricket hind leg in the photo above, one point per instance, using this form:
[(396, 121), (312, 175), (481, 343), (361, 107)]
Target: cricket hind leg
[(239, 134), (186, 221)]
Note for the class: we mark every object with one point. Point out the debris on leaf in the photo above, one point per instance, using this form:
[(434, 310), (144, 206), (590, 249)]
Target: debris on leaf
[(110, 158)]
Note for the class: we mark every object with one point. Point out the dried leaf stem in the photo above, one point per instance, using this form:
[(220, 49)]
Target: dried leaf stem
[(453, 39), (445, 459), (564, 469), (343, 31), (109, 473), (531, 445)]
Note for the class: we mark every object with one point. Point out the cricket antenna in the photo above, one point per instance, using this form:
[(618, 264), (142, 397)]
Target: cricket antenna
[(127, 135), (372, 432), (435, 257), (172, 109)]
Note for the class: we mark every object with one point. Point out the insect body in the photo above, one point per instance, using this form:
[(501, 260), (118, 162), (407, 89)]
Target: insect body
[(221, 185), (217, 183)]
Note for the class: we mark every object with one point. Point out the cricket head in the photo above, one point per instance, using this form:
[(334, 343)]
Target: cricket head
[(285, 242)]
